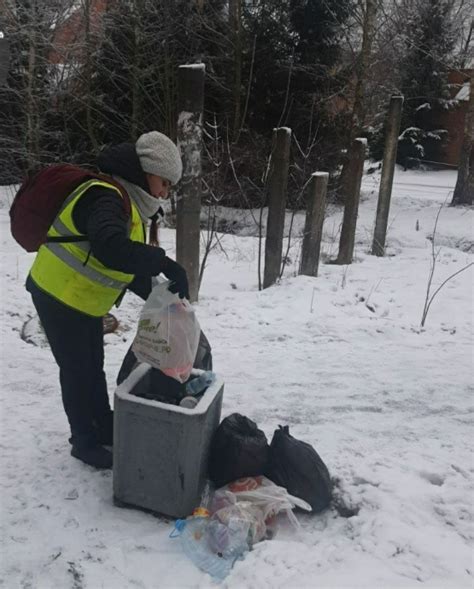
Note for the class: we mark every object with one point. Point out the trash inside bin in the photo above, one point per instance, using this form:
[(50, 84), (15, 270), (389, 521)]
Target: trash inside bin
[(157, 386)]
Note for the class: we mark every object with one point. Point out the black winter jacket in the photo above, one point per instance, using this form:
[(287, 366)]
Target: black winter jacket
[(99, 214)]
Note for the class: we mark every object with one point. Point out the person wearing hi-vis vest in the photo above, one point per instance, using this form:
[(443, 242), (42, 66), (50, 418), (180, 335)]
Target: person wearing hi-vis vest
[(74, 284)]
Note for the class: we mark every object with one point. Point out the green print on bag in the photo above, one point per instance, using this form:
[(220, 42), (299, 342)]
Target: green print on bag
[(147, 325), (168, 333)]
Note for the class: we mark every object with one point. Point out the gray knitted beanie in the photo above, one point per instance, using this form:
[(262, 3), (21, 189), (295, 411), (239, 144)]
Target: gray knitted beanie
[(159, 156)]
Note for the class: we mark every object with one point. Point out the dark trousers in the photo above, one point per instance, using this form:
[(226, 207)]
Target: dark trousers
[(77, 343)]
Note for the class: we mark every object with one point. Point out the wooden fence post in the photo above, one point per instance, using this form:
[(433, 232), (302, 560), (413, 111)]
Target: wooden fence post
[(277, 186), (313, 229), (388, 167), (188, 210), (351, 205), (4, 59)]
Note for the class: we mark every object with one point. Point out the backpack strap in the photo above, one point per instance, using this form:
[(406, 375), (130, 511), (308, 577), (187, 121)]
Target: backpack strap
[(83, 238)]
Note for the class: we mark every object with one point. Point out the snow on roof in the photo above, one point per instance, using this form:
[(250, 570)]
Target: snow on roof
[(463, 94)]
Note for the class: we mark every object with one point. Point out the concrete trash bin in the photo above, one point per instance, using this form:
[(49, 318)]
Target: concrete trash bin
[(161, 450)]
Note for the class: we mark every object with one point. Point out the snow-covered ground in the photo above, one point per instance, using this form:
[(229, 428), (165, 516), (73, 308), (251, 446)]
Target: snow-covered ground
[(340, 358)]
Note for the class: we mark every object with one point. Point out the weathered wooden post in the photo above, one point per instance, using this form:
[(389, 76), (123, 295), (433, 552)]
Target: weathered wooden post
[(188, 210), (388, 167), (277, 185), (4, 58), (351, 205), (313, 229)]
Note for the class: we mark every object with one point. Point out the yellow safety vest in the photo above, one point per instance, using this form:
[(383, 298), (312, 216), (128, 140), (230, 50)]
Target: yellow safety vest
[(70, 273)]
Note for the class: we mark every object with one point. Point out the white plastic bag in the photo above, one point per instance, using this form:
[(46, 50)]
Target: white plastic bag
[(168, 333), (256, 500)]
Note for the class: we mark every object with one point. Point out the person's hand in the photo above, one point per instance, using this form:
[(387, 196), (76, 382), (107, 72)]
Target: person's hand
[(177, 275)]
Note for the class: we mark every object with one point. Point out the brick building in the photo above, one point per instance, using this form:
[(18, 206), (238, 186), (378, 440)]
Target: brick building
[(71, 31), (453, 119)]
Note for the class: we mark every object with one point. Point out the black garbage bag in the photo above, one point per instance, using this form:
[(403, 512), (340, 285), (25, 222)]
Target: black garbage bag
[(297, 466), (158, 386), (128, 364), (203, 361), (238, 449)]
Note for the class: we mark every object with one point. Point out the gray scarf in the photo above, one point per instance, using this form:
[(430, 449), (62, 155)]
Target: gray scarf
[(146, 204)]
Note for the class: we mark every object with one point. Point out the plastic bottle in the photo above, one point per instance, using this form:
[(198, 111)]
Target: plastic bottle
[(203, 509), (193, 534), (188, 402), (198, 385), (230, 539), (198, 537)]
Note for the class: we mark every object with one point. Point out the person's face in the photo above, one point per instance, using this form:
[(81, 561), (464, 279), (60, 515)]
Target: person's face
[(159, 187)]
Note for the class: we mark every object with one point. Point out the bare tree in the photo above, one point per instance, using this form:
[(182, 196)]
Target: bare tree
[(88, 67), (369, 10), (235, 21), (26, 98), (434, 258), (464, 189)]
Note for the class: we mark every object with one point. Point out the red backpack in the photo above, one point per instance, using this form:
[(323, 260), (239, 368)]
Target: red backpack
[(40, 198)]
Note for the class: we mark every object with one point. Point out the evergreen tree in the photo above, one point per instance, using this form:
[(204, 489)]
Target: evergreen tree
[(428, 38), (304, 36), (267, 64), (292, 84)]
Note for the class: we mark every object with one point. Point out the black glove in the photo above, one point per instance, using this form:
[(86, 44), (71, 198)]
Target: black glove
[(177, 275)]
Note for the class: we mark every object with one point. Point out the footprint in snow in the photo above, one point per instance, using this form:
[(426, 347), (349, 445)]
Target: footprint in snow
[(433, 478), (71, 523)]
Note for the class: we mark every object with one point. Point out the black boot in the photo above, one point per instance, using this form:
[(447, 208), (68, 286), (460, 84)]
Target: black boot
[(96, 455), (105, 429)]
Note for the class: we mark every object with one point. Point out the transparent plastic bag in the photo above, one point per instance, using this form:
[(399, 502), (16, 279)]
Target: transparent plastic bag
[(193, 535), (228, 539), (263, 494), (255, 502), (212, 546), (168, 333), (244, 516)]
